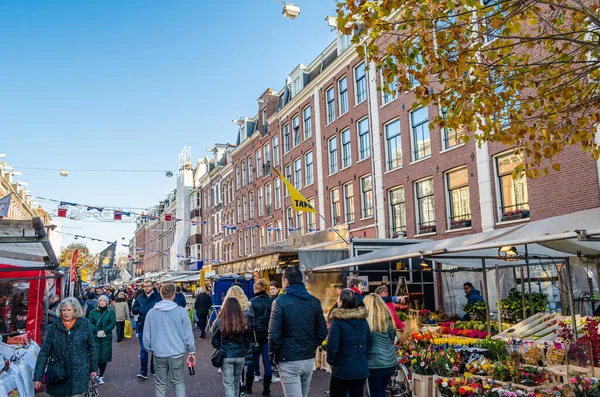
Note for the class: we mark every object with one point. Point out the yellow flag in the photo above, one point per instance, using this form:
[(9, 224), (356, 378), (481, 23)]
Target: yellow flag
[(83, 275), (298, 201)]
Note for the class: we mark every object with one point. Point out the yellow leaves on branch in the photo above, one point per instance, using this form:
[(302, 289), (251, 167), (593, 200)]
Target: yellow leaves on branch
[(519, 72)]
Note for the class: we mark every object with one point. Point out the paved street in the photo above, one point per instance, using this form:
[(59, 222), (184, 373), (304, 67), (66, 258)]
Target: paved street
[(121, 373)]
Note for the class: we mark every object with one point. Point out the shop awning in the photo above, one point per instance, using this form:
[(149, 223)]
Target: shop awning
[(547, 240), (25, 244), (256, 263)]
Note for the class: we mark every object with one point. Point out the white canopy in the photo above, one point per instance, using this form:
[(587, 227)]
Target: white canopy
[(24, 243), (545, 241)]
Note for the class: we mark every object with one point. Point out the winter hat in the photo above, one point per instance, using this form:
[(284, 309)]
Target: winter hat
[(103, 297), (121, 295)]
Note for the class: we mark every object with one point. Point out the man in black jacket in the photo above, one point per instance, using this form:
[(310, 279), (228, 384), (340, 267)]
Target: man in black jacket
[(202, 307), (142, 306), (296, 329)]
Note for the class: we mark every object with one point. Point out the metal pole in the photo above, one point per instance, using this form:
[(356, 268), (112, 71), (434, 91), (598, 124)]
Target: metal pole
[(570, 297), (485, 297), (523, 294), (498, 300), (529, 279)]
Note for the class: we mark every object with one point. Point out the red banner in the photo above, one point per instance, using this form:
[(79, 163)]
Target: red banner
[(74, 265)]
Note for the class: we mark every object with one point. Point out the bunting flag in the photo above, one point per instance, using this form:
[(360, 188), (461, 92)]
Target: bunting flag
[(62, 212), (66, 203), (168, 217), (310, 230), (292, 229), (298, 201), (139, 248), (229, 227), (273, 229), (180, 256), (99, 209)]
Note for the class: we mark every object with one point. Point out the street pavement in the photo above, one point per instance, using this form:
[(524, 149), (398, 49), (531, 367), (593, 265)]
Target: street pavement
[(120, 376)]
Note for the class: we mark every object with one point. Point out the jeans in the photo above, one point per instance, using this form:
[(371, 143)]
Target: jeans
[(346, 387), (144, 357), (173, 367), (120, 330), (202, 320), (379, 379), (295, 377), (232, 375), (264, 352)]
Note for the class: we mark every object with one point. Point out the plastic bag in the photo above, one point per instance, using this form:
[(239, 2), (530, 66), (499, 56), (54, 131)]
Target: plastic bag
[(127, 331)]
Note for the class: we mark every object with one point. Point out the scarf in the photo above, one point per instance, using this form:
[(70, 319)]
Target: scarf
[(68, 324)]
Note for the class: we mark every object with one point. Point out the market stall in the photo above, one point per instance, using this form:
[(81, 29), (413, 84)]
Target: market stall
[(28, 277)]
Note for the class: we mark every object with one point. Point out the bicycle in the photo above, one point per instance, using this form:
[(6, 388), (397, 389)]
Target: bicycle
[(401, 383)]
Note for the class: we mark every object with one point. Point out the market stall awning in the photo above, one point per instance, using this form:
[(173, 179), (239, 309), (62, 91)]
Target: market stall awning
[(547, 240), (25, 244), (256, 263)]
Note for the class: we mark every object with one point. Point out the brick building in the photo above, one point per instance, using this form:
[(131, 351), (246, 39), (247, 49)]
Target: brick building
[(369, 164)]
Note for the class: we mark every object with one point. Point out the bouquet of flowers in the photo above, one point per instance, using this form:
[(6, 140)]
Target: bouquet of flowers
[(446, 362), (584, 387), (532, 376), (455, 387)]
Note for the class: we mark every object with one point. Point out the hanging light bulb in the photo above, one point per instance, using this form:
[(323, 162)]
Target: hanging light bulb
[(64, 173)]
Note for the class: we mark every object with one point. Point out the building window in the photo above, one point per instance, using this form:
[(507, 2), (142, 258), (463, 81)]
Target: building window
[(286, 138), (268, 200), (457, 183), (260, 201), (364, 141), (240, 244), (262, 236), (296, 128), (330, 105), (346, 41), (360, 78), (252, 241), (288, 175), (264, 120), (238, 177), (250, 171), (425, 206), (246, 242), (239, 210), (310, 216), (245, 204), (450, 136), (333, 158), (335, 206), (346, 150), (251, 205), (275, 151), (366, 188), (307, 122), (298, 174), (392, 89), (394, 145), (269, 233), (277, 193), (244, 173), (397, 212), (300, 221), (343, 95), (259, 163), (416, 67), (278, 231), (349, 202), (420, 134), (290, 217), (514, 199), (308, 169), (267, 150)]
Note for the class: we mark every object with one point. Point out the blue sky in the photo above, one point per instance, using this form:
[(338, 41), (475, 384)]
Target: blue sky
[(96, 84)]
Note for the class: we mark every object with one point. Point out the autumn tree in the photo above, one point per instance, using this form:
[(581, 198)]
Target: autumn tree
[(85, 260), (524, 73)]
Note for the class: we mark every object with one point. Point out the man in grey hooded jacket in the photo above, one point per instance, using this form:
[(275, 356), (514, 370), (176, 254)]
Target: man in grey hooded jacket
[(168, 336)]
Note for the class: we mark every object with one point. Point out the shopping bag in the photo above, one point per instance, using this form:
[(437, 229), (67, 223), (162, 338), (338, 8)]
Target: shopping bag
[(127, 331), (92, 389)]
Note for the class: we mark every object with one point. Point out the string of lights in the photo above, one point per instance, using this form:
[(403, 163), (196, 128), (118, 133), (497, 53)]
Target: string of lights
[(64, 172)]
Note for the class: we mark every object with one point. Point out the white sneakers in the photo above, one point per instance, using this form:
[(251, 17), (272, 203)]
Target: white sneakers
[(257, 378), (101, 380), (275, 379)]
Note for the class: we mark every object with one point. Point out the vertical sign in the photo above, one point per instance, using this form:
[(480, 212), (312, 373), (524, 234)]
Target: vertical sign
[(73, 272)]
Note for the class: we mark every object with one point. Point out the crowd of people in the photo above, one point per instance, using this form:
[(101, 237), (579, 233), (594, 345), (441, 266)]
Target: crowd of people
[(280, 329)]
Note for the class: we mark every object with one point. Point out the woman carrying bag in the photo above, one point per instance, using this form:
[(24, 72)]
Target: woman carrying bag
[(231, 335), (103, 321), (382, 354), (68, 353), (121, 308)]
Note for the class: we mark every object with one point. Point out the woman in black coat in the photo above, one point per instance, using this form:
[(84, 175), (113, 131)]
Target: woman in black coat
[(202, 307), (347, 346), (69, 337)]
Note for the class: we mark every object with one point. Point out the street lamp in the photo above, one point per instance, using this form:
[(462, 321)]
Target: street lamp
[(290, 11)]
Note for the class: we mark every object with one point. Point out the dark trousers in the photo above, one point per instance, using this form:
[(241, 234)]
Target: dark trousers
[(346, 388), (101, 369), (264, 353), (120, 330), (144, 357), (202, 320), (379, 380)]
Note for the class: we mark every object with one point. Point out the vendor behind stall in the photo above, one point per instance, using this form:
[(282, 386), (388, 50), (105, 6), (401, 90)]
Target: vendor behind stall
[(473, 296)]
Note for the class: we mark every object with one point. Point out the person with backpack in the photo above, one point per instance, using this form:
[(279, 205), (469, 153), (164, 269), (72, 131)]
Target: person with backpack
[(90, 303)]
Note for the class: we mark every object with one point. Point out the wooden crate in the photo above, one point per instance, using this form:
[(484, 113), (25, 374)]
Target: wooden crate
[(422, 385)]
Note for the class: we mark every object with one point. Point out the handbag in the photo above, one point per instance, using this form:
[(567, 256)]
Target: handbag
[(92, 390), (218, 355), (127, 329), (56, 370)]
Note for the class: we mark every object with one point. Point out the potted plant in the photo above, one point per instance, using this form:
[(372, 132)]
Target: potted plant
[(460, 223)]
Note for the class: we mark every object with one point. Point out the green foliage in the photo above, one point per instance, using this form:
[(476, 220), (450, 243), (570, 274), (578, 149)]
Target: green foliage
[(497, 349), (513, 304)]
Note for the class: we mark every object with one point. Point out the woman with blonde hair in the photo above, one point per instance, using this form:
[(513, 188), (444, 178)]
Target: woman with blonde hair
[(237, 293), (382, 352)]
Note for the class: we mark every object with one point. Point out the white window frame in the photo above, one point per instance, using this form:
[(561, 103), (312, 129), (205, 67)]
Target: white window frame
[(346, 147), (259, 163), (462, 218), (362, 152), (343, 96), (422, 126), (419, 217), (260, 201), (330, 104), (307, 122), (396, 230), (363, 197), (309, 176), (332, 167), (349, 216), (336, 210), (298, 173), (393, 163), (277, 193), (360, 96), (296, 137)]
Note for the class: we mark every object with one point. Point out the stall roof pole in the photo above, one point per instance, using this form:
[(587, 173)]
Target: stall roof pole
[(498, 300), (485, 297), (523, 294), (570, 297), (529, 279)]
